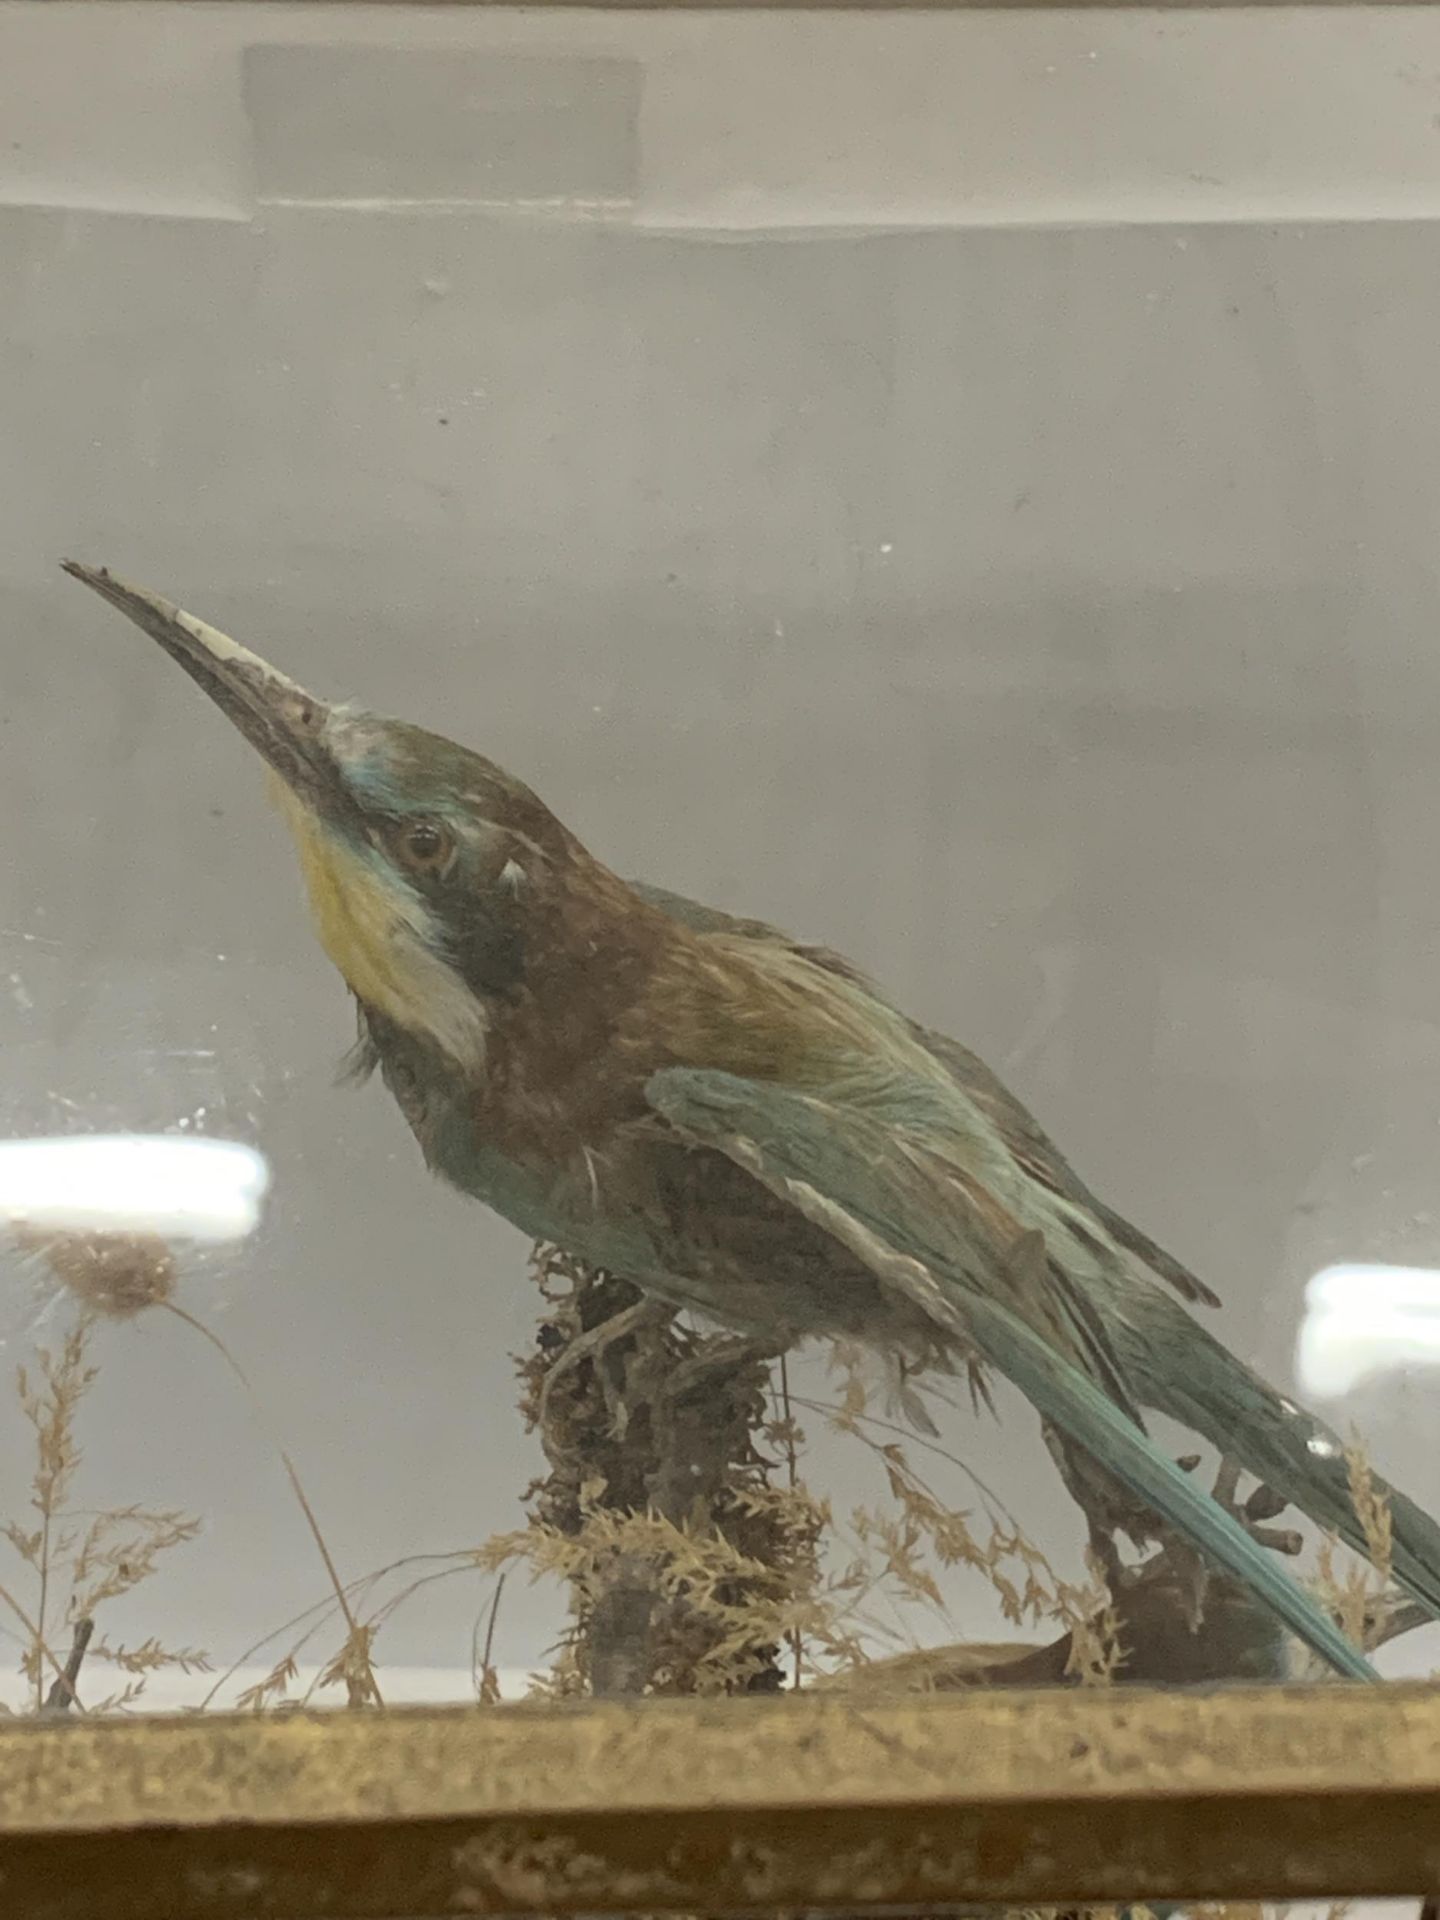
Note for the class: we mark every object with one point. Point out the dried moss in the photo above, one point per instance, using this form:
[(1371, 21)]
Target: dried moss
[(685, 1540)]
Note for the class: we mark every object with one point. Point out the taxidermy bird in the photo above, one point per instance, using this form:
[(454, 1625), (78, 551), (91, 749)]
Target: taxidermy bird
[(744, 1125)]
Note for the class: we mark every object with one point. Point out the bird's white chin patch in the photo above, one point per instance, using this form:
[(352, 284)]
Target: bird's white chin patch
[(428, 998), (382, 937)]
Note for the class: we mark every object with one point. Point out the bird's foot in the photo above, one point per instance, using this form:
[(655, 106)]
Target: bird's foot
[(717, 1358), (1262, 1505), (592, 1345), (1106, 1557), (1178, 1559)]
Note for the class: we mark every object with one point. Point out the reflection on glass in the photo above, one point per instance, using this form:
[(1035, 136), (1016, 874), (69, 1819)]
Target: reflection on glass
[(1364, 1321)]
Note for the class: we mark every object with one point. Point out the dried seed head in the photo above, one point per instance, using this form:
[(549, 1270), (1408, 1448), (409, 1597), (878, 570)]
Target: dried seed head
[(119, 1274)]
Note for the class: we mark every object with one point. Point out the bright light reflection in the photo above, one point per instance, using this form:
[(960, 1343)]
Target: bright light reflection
[(1362, 1320), (178, 1189)]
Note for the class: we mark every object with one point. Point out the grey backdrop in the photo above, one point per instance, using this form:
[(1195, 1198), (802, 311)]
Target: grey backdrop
[(1046, 618)]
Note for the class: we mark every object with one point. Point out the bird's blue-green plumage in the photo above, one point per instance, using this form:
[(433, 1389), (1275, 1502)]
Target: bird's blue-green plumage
[(865, 1154)]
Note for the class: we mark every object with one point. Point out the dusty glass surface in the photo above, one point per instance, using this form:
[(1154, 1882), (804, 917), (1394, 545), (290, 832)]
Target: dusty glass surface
[(993, 545)]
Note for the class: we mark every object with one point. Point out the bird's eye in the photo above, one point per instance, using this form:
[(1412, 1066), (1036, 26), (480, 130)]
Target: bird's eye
[(424, 845)]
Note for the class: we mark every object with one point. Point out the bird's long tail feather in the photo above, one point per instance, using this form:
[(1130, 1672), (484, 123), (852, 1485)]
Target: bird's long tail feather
[(1210, 1390), (1065, 1396)]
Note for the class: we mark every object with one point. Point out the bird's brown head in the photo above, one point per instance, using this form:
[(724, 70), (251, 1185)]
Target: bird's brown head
[(428, 867)]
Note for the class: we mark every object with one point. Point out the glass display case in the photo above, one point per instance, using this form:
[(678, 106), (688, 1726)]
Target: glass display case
[(717, 956)]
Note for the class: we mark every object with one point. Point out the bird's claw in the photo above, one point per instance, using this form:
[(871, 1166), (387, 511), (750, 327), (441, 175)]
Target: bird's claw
[(717, 1358), (1262, 1504), (592, 1345)]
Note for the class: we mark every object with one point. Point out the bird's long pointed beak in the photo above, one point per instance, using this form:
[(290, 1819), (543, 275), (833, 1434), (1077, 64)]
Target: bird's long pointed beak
[(283, 722)]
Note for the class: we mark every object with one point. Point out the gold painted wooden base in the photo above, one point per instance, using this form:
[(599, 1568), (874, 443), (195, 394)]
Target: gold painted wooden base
[(1014, 1798)]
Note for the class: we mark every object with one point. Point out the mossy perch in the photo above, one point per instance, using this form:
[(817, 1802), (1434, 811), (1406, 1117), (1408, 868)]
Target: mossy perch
[(654, 1437)]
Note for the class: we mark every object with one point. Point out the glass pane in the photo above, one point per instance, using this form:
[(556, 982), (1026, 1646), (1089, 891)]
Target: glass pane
[(997, 554)]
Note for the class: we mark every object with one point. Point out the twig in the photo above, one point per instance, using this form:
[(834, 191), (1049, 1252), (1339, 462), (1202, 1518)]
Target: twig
[(62, 1695), (797, 1645), (40, 1697), (486, 1687), (33, 1630), (621, 1619)]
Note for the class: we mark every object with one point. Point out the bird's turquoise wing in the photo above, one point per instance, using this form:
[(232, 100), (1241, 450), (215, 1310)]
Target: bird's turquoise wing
[(850, 1173)]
